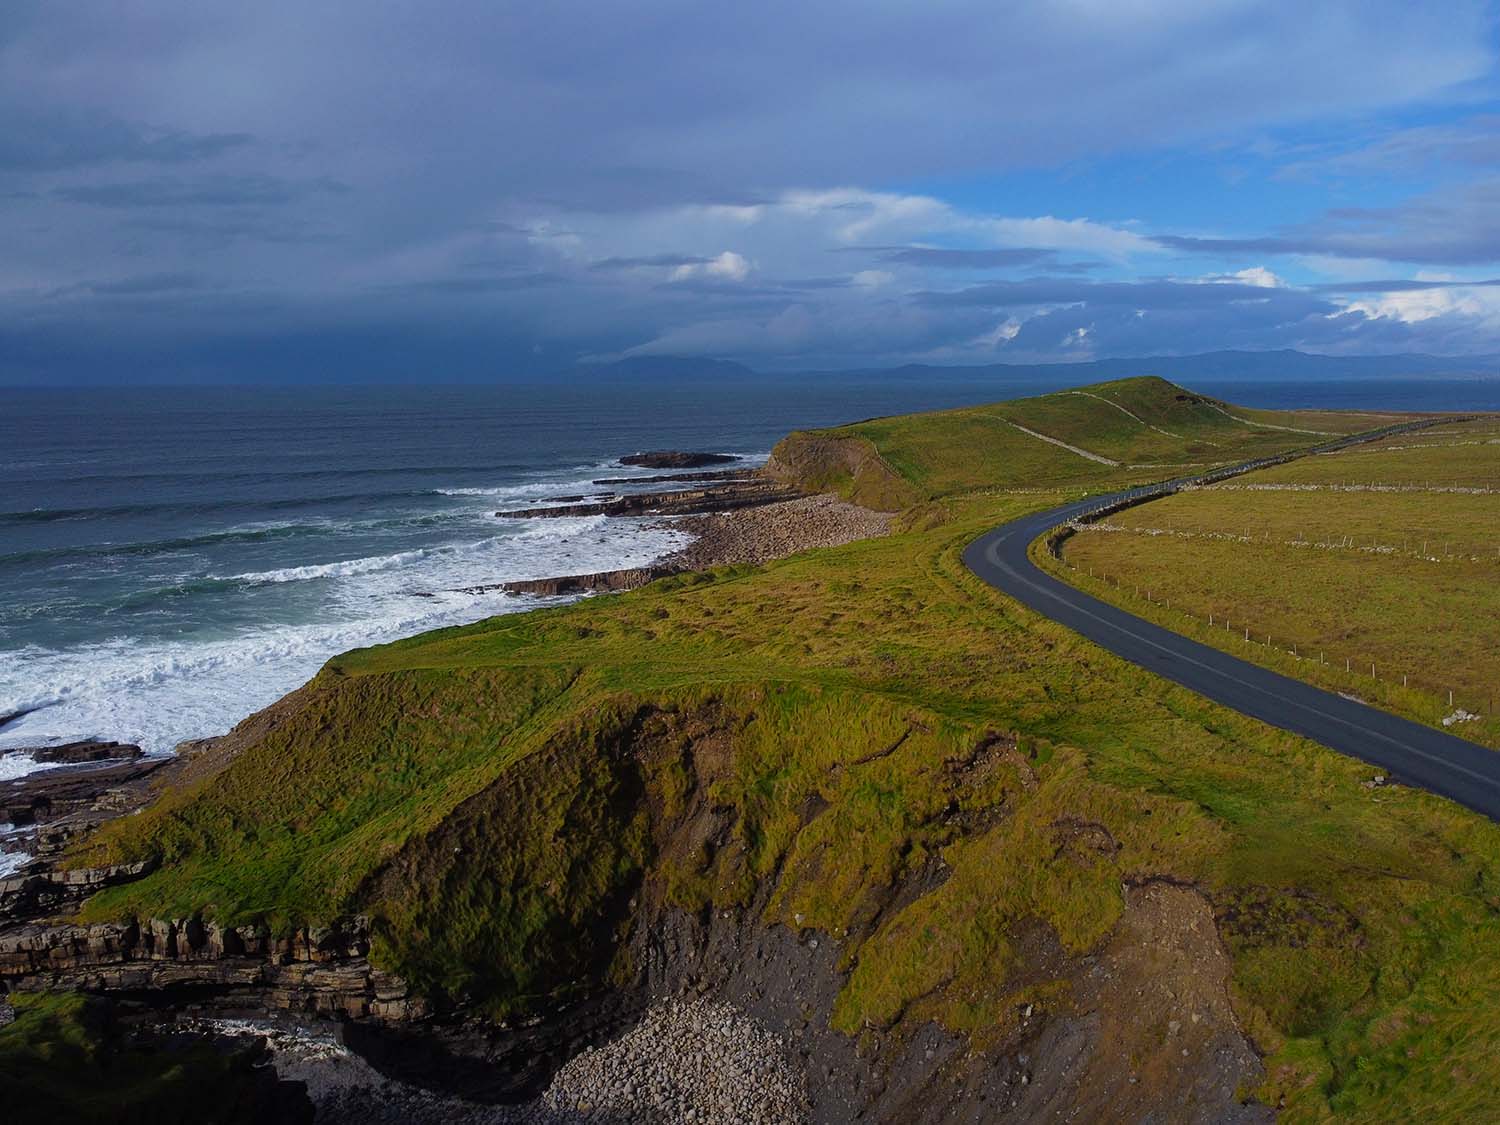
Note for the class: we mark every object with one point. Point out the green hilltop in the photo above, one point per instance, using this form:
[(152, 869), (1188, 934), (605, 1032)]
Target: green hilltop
[(1122, 431), (867, 742)]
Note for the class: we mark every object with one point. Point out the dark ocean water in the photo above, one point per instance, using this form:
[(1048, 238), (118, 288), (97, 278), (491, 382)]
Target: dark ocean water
[(171, 560)]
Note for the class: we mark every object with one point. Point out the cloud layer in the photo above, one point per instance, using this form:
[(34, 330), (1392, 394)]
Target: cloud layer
[(209, 190)]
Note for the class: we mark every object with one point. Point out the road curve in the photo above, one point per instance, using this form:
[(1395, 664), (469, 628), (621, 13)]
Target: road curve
[(1417, 755)]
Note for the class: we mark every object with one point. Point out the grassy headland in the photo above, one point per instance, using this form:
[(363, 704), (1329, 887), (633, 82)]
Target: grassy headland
[(822, 732)]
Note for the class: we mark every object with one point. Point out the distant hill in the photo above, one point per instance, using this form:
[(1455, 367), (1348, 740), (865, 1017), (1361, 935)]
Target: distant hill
[(665, 367), (1109, 433), (1286, 364)]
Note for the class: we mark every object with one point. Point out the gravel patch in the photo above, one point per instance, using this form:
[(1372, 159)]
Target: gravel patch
[(773, 531), (686, 1061)]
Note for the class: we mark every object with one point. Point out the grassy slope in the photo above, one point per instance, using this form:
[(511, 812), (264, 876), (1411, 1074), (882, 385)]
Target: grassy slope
[(956, 451), (1408, 580), (489, 793)]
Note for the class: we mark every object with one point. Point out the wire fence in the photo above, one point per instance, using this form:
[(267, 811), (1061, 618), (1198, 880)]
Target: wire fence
[(1464, 702)]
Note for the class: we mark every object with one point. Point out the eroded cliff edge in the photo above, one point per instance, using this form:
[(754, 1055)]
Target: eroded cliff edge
[(841, 899)]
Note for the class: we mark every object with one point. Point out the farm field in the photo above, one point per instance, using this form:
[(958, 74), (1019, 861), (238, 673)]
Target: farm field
[(1383, 557)]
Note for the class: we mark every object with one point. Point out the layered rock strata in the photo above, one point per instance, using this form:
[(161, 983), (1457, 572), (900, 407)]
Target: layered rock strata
[(678, 502), (194, 965)]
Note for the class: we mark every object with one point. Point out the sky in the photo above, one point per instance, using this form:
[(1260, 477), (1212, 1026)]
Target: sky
[(196, 190)]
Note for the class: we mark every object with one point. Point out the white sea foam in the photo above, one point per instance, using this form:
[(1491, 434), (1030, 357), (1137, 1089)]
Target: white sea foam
[(507, 490), (159, 692), (346, 568), (12, 861), (13, 766)]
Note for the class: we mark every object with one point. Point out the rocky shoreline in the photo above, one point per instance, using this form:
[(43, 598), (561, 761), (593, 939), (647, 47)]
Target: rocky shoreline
[(738, 517), (756, 534), (774, 531), (686, 1060), (648, 1053), (737, 492)]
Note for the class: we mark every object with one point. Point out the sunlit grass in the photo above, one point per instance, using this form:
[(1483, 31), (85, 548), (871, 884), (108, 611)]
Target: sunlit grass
[(1392, 595), (493, 795)]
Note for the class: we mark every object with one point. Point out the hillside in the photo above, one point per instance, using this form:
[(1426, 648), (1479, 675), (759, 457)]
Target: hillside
[(1104, 435), (970, 863)]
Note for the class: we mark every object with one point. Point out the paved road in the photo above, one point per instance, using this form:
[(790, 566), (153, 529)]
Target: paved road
[(1413, 753)]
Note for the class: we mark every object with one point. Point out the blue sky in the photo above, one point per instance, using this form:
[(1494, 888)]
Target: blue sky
[(467, 188)]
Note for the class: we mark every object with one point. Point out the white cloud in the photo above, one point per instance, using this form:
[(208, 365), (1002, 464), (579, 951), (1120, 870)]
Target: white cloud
[(1258, 276), (727, 266), (1415, 306), (1002, 334), (1084, 235), (791, 235)]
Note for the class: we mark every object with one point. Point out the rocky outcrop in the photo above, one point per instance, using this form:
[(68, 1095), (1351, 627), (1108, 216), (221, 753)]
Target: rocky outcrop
[(679, 502), (41, 890), (196, 965), (670, 478), (49, 795), (604, 581), (75, 753), (675, 459)]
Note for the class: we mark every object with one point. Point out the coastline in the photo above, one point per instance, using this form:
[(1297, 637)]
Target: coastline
[(634, 1074), (737, 533), (736, 536), (774, 531)]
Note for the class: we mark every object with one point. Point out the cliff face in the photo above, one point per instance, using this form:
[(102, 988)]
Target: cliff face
[(845, 464), (625, 861), (198, 965)]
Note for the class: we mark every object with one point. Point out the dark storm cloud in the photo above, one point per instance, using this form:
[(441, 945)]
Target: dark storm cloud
[(1454, 226), (587, 178), (650, 261), (221, 191), (963, 259), (59, 139), (226, 229), (477, 286), (1473, 141), (147, 285), (1224, 247), (1400, 286)]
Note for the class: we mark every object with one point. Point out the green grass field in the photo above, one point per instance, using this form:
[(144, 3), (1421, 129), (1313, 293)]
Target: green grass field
[(1385, 556), (831, 723), (1149, 428)]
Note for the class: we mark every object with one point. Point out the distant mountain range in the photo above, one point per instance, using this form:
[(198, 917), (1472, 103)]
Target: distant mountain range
[(1282, 365)]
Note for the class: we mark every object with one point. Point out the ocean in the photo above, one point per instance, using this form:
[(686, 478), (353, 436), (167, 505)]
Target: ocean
[(172, 560)]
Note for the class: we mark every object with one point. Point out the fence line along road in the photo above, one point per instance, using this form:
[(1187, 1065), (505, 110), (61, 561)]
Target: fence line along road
[(1415, 754)]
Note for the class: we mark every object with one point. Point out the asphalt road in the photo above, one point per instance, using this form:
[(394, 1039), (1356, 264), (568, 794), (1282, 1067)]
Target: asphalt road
[(1410, 752)]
